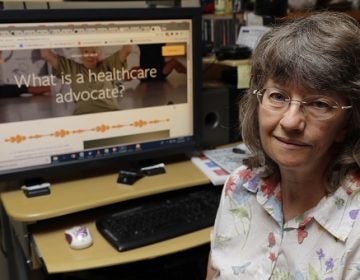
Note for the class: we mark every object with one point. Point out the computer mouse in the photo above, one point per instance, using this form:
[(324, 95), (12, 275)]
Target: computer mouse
[(78, 237)]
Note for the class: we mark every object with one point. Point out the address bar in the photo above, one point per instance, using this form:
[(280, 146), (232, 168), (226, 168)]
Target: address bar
[(76, 40)]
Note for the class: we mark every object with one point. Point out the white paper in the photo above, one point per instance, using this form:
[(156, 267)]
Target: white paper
[(215, 173), (250, 35)]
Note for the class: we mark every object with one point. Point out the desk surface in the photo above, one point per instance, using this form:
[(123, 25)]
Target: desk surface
[(78, 195), (59, 211)]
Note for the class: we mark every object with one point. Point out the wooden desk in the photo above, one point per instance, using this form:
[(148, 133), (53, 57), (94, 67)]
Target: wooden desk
[(56, 212)]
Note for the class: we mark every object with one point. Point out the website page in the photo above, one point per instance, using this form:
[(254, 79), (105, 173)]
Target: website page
[(82, 89)]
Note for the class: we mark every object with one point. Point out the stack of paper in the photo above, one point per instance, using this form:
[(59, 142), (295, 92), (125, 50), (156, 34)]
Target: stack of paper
[(215, 173), (217, 164), (226, 158)]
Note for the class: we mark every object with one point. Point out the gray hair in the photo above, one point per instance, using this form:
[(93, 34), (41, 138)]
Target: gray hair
[(321, 52)]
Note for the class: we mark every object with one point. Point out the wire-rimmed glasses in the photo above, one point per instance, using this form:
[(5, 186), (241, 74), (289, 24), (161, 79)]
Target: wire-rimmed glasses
[(319, 107)]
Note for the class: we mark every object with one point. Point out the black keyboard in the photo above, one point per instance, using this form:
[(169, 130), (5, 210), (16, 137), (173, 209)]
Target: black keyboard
[(160, 218)]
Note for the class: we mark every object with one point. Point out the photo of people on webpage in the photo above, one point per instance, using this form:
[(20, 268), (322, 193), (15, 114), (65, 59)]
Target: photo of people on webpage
[(47, 83)]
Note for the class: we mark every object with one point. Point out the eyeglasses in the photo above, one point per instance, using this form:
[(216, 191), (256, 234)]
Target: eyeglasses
[(316, 106)]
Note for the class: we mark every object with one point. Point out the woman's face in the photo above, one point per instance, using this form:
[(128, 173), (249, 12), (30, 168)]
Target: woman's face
[(90, 57), (295, 139)]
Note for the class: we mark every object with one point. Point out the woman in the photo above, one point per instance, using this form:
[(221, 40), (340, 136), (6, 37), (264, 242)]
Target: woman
[(293, 211)]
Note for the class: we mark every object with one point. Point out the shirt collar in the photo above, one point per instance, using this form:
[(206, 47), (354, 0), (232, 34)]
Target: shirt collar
[(338, 212), (267, 191)]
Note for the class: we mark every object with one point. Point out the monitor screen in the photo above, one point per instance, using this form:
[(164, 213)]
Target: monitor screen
[(119, 85)]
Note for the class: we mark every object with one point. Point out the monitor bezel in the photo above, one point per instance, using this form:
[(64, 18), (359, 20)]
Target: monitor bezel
[(97, 166)]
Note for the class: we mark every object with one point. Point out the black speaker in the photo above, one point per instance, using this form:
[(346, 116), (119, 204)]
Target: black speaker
[(234, 122), (220, 121), (215, 117)]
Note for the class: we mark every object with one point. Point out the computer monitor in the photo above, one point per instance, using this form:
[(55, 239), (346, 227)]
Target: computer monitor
[(89, 89)]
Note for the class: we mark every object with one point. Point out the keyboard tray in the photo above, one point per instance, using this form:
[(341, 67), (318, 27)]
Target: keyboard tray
[(160, 218)]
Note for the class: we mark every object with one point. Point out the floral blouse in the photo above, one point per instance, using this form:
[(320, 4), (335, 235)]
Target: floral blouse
[(250, 240)]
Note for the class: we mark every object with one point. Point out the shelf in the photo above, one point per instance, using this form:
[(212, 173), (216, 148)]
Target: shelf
[(101, 253)]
